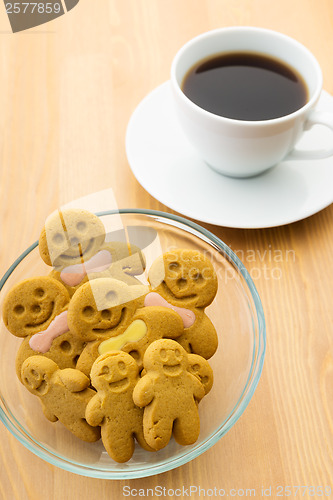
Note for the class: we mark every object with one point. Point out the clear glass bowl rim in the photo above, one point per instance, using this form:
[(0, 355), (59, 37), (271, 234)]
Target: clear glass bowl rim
[(256, 369)]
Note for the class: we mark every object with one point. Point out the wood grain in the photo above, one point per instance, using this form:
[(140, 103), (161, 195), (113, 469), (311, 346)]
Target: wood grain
[(68, 89)]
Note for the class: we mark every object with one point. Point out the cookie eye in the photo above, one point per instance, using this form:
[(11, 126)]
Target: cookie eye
[(88, 312), (173, 266), (121, 366), (81, 226), (39, 293), (19, 310), (196, 368), (58, 238), (163, 354), (111, 297), (74, 241), (181, 283), (106, 314), (198, 278), (65, 346), (178, 354), (105, 370)]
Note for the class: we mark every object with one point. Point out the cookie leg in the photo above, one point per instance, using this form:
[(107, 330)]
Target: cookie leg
[(88, 357), (141, 440), (186, 428), (118, 443), (157, 430), (84, 431), (49, 413)]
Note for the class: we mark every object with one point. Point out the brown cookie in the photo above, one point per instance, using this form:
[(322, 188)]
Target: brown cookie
[(31, 305), (186, 276), (64, 394), (187, 281), (114, 375), (169, 394), (70, 237), (103, 308), (148, 324)]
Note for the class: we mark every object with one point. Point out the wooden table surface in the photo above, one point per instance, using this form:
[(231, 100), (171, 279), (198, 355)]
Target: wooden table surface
[(68, 89)]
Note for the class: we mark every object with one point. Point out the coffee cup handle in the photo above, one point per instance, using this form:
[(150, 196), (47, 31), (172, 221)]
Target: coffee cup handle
[(314, 118)]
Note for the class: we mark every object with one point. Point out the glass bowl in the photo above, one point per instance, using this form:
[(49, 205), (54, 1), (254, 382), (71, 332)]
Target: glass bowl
[(236, 313)]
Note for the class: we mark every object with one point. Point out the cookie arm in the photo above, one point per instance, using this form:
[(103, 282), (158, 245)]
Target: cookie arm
[(48, 413), (94, 413), (87, 357), (205, 340), (143, 392), (74, 380), (198, 388), (167, 322)]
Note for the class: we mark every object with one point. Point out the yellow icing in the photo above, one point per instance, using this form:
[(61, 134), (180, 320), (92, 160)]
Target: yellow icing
[(133, 333)]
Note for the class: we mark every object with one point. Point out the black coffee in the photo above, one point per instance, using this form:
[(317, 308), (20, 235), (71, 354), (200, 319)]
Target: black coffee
[(245, 86)]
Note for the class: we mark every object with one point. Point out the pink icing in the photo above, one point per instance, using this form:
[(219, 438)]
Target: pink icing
[(155, 299), (42, 342), (73, 275)]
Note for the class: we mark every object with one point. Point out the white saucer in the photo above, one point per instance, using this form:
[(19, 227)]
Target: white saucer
[(167, 166)]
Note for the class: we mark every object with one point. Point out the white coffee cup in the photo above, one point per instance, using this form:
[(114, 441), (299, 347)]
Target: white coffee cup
[(241, 148)]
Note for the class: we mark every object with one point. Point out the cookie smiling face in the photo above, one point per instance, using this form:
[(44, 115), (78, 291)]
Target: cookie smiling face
[(184, 276), (114, 372), (172, 366), (31, 305), (103, 308), (167, 356), (70, 237), (36, 376)]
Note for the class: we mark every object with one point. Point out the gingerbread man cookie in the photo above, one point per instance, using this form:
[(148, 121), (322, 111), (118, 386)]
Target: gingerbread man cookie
[(31, 305), (70, 237), (169, 394), (64, 394), (185, 281), (73, 241), (114, 375)]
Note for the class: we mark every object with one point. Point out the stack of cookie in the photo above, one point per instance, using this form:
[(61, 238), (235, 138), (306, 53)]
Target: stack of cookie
[(107, 355)]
